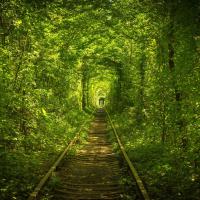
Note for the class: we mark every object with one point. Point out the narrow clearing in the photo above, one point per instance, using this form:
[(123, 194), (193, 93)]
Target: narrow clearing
[(94, 172)]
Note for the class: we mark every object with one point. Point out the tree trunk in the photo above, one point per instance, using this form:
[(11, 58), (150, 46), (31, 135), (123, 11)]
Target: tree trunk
[(84, 89), (140, 107), (178, 93)]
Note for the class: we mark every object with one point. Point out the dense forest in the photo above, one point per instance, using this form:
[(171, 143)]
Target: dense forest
[(59, 57)]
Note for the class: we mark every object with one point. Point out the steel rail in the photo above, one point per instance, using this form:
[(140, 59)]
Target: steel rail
[(46, 177), (131, 167)]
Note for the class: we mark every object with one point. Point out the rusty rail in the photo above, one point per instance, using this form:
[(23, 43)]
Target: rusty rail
[(131, 167), (46, 177)]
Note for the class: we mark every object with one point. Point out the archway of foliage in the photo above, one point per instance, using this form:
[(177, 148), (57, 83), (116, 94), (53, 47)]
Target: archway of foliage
[(102, 85), (58, 57)]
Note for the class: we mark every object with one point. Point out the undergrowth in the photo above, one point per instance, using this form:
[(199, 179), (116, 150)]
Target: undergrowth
[(168, 171), (23, 165)]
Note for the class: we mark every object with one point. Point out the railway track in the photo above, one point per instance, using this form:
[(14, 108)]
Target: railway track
[(94, 172)]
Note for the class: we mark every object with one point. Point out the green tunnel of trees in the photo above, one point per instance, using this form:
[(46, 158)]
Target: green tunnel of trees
[(59, 57)]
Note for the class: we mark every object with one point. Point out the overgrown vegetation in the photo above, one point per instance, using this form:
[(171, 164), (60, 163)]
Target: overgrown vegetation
[(59, 57)]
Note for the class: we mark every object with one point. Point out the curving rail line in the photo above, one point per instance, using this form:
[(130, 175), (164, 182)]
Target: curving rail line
[(144, 195)]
